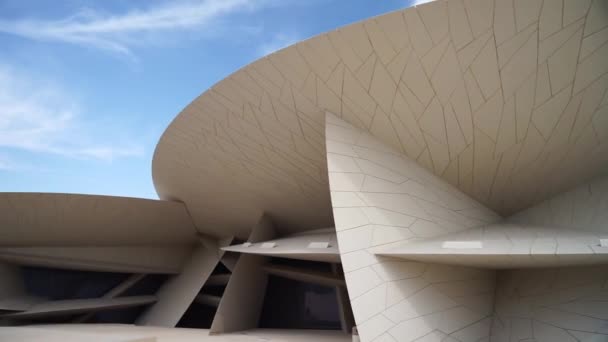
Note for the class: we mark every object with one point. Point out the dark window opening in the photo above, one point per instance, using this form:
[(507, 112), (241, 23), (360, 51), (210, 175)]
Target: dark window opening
[(60, 284), (292, 304), (147, 286), (197, 316), (297, 304), (65, 284)]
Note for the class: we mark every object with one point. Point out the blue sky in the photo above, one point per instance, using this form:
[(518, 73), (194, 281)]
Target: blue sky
[(87, 87)]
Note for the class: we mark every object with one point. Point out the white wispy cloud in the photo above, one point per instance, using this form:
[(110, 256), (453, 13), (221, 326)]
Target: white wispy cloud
[(119, 33), (420, 2), (277, 42), (37, 116)]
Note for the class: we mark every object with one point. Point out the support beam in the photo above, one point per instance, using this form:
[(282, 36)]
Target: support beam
[(207, 299), (20, 302), (75, 306), (176, 295), (64, 220), (124, 286), (126, 259), (507, 246), (12, 289), (113, 293), (241, 304), (218, 280), (229, 260), (316, 245), (296, 273), (381, 199)]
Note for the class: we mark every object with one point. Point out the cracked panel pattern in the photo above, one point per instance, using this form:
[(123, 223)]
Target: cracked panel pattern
[(561, 304), (552, 305), (505, 99), (382, 198), (582, 208)]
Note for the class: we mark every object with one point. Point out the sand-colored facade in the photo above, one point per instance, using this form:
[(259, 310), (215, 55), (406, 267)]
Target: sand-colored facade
[(440, 171)]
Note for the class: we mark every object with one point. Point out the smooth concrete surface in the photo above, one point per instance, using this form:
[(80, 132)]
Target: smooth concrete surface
[(76, 306), (50, 219), (504, 99), (507, 246), (176, 295), (241, 304), (166, 259), (12, 288), (296, 246), (582, 208), (229, 260), (130, 333)]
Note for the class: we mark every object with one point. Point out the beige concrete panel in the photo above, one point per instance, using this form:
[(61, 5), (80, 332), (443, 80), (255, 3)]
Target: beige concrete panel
[(47, 219), (263, 230), (396, 203), (555, 304), (583, 208), (229, 260), (215, 245), (13, 296), (75, 306), (241, 303), (317, 245), (57, 334), (176, 295), (419, 80), (131, 333), (128, 259), (507, 246)]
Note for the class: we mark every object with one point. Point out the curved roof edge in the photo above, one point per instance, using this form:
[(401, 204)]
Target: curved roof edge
[(36, 219)]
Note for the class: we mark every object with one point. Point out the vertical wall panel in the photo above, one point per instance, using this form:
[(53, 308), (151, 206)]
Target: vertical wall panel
[(242, 301), (552, 305), (584, 208), (567, 304), (176, 295), (380, 199), (12, 288)]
